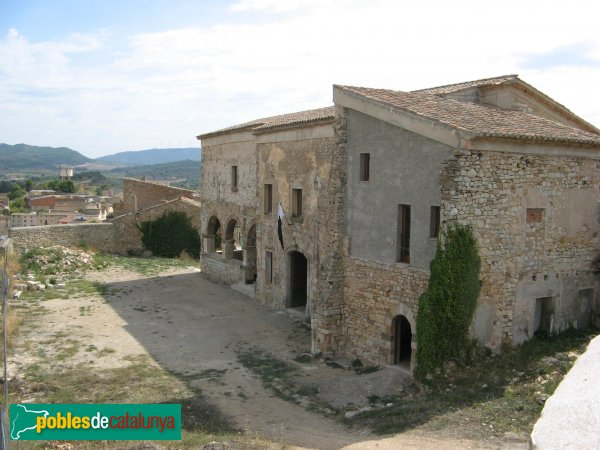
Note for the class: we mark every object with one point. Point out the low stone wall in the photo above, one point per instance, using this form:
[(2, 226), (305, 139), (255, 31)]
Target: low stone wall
[(100, 236), (219, 270)]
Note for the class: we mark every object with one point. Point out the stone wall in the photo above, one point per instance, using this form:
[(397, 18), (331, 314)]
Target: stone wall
[(375, 293), (295, 164), (221, 270), (535, 219), (141, 194), (100, 236)]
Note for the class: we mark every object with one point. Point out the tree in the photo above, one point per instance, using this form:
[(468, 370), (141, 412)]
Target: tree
[(446, 310), (16, 191), (171, 234)]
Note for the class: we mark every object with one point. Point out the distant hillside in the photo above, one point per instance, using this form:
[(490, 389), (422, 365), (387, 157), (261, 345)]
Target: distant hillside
[(184, 174), (29, 157), (153, 156)]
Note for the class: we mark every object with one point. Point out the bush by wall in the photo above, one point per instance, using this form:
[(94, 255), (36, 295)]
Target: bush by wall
[(446, 309), (171, 234)]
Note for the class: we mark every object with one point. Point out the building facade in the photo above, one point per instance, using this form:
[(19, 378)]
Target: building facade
[(338, 211)]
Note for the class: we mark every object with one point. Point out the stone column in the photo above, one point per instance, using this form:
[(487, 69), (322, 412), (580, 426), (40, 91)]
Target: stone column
[(228, 247), (209, 243)]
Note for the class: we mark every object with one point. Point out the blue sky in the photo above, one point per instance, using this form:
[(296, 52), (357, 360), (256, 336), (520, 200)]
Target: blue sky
[(108, 76)]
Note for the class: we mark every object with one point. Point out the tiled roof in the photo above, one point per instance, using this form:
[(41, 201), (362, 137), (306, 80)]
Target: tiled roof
[(480, 119), (449, 88), (279, 122)]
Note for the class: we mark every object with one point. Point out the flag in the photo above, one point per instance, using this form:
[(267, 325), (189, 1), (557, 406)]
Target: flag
[(280, 216)]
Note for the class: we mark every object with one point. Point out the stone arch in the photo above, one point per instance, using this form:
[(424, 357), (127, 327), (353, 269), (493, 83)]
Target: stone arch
[(212, 238), (393, 314), (233, 240)]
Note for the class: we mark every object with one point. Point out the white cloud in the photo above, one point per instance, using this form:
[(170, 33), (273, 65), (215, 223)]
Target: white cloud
[(161, 87)]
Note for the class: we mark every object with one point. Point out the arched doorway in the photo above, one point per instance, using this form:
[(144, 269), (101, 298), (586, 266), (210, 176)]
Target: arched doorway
[(298, 280), (250, 256), (213, 235), (401, 343)]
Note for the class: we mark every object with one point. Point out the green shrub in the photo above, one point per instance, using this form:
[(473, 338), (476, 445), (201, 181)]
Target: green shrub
[(446, 309), (170, 235)]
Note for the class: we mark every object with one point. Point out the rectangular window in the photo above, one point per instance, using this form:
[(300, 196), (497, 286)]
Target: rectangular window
[(268, 198), (268, 267), (296, 202), (365, 161), (234, 178), (434, 222), (403, 240)]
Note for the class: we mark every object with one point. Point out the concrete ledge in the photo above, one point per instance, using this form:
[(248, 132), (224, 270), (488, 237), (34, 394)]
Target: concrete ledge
[(571, 416)]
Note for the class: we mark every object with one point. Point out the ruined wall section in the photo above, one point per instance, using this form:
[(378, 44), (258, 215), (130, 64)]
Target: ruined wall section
[(100, 236), (535, 219), (148, 193)]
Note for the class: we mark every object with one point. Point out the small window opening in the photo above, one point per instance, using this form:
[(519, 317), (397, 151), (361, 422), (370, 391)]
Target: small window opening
[(403, 241), (365, 161), (434, 222), (268, 267), (234, 178), (268, 198), (296, 202), (535, 215)]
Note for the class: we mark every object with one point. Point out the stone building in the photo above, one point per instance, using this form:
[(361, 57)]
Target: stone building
[(367, 185)]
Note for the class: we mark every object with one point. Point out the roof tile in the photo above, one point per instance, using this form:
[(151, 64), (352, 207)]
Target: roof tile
[(480, 119)]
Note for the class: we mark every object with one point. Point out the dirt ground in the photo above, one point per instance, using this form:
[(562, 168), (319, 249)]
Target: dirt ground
[(191, 326)]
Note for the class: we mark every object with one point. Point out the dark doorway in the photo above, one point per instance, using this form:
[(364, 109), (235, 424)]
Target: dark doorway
[(402, 341), (298, 279)]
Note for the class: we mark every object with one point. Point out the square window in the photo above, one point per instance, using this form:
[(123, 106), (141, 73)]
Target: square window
[(365, 162), (296, 202), (535, 215), (268, 198)]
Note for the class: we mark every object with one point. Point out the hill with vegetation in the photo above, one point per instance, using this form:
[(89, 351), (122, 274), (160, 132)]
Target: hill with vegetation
[(23, 157), (185, 174), (153, 156)]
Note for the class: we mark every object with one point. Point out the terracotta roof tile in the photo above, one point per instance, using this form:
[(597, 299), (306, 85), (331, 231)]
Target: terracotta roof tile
[(480, 119), (279, 122), (449, 88)]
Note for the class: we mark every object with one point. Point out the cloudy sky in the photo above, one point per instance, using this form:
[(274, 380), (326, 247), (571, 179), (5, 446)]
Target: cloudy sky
[(102, 76)]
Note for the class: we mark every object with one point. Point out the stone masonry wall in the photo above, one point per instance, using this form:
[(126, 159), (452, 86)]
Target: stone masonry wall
[(231, 206), (535, 219), (374, 294), (149, 193), (100, 236)]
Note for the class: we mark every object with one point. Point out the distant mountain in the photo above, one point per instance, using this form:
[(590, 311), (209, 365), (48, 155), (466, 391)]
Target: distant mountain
[(184, 174), (30, 157), (153, 156)]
